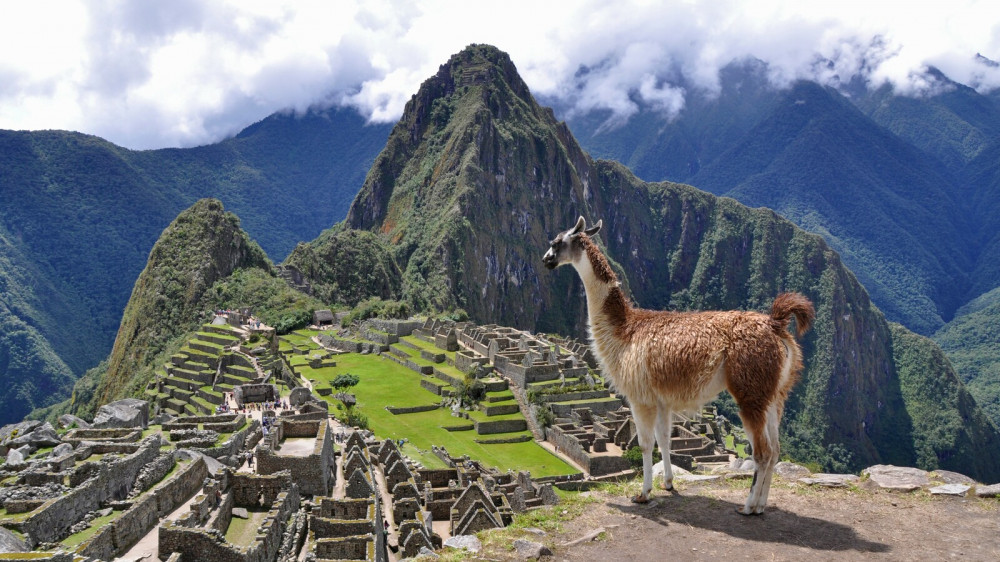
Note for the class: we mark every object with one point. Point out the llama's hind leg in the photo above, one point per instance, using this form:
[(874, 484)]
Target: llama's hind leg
[(645, 423), (664, 429), (756, 427), (772, 420)]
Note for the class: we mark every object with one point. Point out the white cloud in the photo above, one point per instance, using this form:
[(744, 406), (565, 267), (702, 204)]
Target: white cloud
[(186, 72)]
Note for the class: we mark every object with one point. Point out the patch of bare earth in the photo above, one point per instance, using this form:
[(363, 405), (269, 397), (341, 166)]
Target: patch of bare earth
[(699, 522)]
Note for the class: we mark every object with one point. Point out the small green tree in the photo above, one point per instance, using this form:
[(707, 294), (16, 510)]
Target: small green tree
[(344, 381)]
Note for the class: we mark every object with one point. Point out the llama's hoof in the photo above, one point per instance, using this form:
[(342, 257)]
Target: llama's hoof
[(639, 498), (668, 486), (741, 512)]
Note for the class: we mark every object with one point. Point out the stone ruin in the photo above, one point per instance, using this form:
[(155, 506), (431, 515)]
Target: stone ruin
[(311, 468)]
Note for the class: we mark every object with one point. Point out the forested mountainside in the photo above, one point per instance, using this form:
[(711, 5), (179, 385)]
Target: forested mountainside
[(476, 177), (81, 214), (883, 178)]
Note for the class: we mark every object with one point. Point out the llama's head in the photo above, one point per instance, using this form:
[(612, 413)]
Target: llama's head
[(566, 246)]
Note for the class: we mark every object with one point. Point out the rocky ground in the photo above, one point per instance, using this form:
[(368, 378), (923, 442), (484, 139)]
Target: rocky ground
[(698, 521)]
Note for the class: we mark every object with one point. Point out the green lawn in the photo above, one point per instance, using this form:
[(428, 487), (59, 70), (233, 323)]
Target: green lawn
[(384, 382)]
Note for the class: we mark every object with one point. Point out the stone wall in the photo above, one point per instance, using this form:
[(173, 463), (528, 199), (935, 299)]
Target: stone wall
[(413, 409), (114, 480), (500, 426), (179, 487), (346, 548), (313, 473), (209, 544)]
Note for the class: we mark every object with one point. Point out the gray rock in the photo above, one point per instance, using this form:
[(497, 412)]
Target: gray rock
[(128, 412), (991, 491), (530, 550), (67, 421), (468, 542), (298, 396), (62, 449), (697, 477), (162, 418), (950, 490), (830, 480), (897, 478), (791, 471), (11, 431), (424, 551), (10, 543), (949, 477), (42, 436), (241, 512), (14, 456)]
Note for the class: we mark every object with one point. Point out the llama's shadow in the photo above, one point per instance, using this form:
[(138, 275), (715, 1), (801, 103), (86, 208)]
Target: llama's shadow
[(774, 525)]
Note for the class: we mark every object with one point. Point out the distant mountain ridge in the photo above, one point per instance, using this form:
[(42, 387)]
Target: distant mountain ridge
[(882, 177), (81, 214)]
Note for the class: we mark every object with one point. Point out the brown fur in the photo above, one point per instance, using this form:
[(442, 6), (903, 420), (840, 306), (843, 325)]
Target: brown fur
[(666, 361)]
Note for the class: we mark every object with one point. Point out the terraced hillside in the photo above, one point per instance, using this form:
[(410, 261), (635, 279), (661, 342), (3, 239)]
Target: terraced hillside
[(210, 364)]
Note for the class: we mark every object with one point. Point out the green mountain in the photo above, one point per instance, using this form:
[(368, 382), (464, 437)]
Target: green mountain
[(81, 214), (476, 177), (202, 261), (972, 342)]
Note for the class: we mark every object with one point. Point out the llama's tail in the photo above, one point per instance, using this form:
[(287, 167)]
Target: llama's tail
[(788, 304)]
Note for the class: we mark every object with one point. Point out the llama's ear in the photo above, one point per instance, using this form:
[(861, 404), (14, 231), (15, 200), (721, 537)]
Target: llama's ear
[(594, 229), (580, 225)]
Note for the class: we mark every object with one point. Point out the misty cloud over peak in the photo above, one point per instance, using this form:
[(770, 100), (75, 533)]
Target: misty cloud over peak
[(188, 72)]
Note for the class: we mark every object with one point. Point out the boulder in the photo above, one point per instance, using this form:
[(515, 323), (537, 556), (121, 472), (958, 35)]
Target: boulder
[(42, 436), (62, 449), (530, 550), (69, 421), (791, 471), (950, 490), (10, 543), (897, 478), (11, 431), (992, 491), (128, 412), (949, 477), (830, 480), (241, 512), (15, 456), (468, 542)]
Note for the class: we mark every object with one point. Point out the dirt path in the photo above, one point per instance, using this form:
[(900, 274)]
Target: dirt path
[(699, 523)]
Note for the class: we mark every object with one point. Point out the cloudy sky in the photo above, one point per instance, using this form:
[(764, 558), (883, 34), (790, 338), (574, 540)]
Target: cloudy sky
[(150, 74)]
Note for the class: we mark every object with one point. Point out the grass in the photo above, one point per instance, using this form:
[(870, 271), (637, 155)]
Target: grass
[(97, 524), (741, 450), (241, 532), (384, 382)]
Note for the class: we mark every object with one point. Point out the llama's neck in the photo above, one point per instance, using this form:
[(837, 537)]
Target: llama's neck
[(606, 303)]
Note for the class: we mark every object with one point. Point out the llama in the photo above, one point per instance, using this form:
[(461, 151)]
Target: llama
[(664, 361)]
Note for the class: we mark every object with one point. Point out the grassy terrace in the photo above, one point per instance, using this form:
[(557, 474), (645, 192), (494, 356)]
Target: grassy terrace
[(97, 524), (421, 344), (384, 382)]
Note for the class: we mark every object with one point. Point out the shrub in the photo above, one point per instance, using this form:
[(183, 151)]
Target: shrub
[(634, 457)]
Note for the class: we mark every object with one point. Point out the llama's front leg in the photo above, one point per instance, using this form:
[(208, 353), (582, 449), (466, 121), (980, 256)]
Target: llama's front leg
[(664, 431), (645, 422)]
